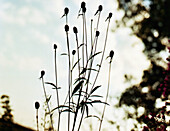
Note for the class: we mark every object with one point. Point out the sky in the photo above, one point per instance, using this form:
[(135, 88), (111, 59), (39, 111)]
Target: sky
[(28, 30)]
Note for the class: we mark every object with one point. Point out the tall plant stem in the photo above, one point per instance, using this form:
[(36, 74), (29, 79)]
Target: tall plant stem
[(78, 55), (93, 44), (86, 37), (47, 103), (102, 54), (83, 41), (37, 119), (58, 127), (91, 63), (106, 98), (69, 73)]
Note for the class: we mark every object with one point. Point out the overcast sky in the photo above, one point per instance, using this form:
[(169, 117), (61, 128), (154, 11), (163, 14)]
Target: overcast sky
[(28, 30)]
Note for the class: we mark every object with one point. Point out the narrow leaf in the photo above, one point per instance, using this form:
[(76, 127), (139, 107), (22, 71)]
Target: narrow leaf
[(67, 110), (61, 106), (48, 99), (94, 89), (64, 54), (93, 116), (95, 55), (87, 110), (78, 86), (80, 45), (51, 84), (96, 96), (78, 79), (75, 64)]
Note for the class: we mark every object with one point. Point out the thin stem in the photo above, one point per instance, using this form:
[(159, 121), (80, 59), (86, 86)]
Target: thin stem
[(106, 97), (47, 103), (57, 90), (83, 42), (37, 119), (78, 55), (91, 32), (68, 78), (86, 37), (102, 54)]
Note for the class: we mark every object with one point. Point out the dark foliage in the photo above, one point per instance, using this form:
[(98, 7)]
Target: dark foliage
[(150, 21), (7, 115)]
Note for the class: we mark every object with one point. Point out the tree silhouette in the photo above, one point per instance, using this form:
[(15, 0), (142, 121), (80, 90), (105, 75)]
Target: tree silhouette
[(7, 115), (149, 21)]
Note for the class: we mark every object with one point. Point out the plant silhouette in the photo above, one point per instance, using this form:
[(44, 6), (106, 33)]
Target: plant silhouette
[(79, 93)]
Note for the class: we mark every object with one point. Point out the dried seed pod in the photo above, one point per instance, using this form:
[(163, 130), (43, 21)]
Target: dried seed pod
[(97, 33), (42, 74), (110, 15), (75, 30), (100, 8), (66, 28), (37, 105), (111, 54), (73, 52), (55, 46), (84, 9), (83, 4), (66, 10)]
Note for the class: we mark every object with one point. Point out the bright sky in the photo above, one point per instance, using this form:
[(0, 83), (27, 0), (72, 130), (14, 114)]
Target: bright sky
[(28, 30)]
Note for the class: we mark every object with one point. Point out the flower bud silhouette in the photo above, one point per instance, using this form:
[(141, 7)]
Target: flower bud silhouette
[(75, 30), (110, 16), (55, 46), (73, 52), (37, 105), (42, 74), (97, 33), (66, 10), (111, 54), (84, 9), (66, 28), (100, 8), (83, 4)]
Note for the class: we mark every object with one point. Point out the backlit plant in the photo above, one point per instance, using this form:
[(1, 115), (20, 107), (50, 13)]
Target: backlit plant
[(81, 92)]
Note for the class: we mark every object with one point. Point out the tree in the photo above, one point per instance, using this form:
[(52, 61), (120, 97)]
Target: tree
[(149, 21), (7, 115)]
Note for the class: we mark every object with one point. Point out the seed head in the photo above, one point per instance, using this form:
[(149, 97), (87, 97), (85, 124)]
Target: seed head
[(97, 33), (111, 54), (100, 8), (73, 52), (83, 4), (55, 46), (66, 28), (84, 9), (42, 74), (37, 105), (110, 15), (66, 10), (75, 30)]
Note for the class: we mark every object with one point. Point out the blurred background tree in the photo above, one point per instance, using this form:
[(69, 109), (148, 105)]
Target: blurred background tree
[(150, 22), (7, 114)]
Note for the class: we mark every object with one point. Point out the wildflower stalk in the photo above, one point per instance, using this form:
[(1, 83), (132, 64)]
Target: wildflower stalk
[(45, 94), (37, 105), (37, 119), (55, 62), (91, 63), (111, 56), (102, 54), (69, 73)]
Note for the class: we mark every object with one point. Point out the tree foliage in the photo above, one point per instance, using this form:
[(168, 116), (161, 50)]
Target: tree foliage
[(7, 115), (149, 21)]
